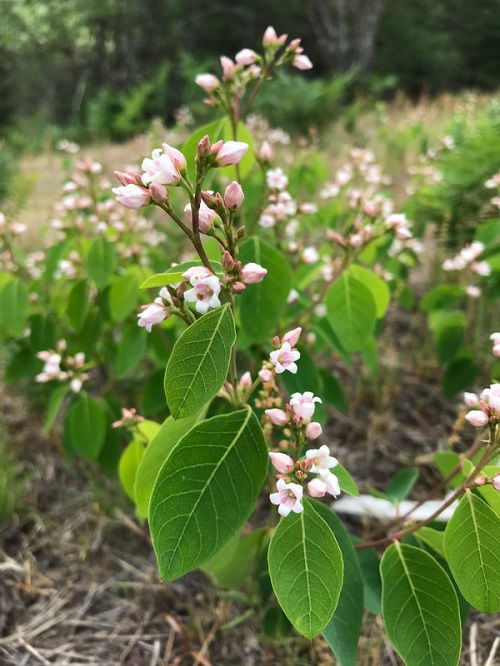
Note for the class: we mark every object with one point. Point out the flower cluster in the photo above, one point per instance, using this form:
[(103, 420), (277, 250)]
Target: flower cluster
[(495, 339), (293, 474), (487, 406), (129, 418), (467, 258), (285, 354), (62, 368)]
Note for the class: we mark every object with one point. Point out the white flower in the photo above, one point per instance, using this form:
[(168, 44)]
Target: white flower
[(310, 255), (205, 293), (288, 498), (154, 313), (322, 460), (276, 179), (303, 405), (284, 358), (160, 169)]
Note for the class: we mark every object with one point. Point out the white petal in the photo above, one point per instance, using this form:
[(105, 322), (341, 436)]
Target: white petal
[(190, 295), (275, 498), (292, 367), (284, 510), (297, 507), (202, 307)]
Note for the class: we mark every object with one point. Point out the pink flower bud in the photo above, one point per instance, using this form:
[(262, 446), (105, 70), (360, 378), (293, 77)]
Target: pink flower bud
[(266, 375), (132, 196), (313, 430), (477, 418), (316, 488), (233, 196), (158, 193), (277, 417), (302, 62), (271, 38), (481, 480), (266, 152), (237, 287), (203, 147), (245, 380), (227, 261), (126, 178), (208, 198), (231, 152), (496, 349), (228, 67), (495, 482), (252, 273), (281, 462), (208, 82), (292, 337), (246, 57)]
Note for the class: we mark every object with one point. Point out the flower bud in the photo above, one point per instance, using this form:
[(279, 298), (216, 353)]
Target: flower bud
[(313, 430), (237, 287), (495, 482), (233, 196), (477, 418), (158, 193), (231, 152), (209, 82), (278, 417), (246, 57), (125, 178), (203, 147), (316, 488), (228, 67), (227, 261), (240, 232), (208, 199), (302, 62), (292, 337), (282, 462), (265, 375), (266, 153), (481, 480), (252, 273), (245, 380)]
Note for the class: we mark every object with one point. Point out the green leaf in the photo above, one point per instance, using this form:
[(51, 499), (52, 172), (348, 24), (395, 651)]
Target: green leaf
[(346, 482), (14, 305), (87, 426), (232, 565), (306, 568), (199, 362), (460, 373), (399, 487), (130, 349), (78, 304), (55, 402), (156, 453), (351, 311), (42, 332), (332, 390), (213, 130), (443, 296), (342, 632), (205, 490), (127, 467), (378, 288), (123, 296), (433, 538), (471, 548), (262, 305), (161, 280), (447, 462), (420, 607), (101, 261), (370, 568)]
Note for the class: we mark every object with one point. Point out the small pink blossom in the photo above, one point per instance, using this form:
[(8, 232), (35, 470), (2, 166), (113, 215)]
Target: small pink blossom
[(276, 179), (209, 82), (282, 462), (302, 62), (132, 196), (316, 487), (245, 380), (495, 482), (234, 196), (231, 152), (313, 430), (292, 337), (321, 459), (196, 273), (228, 68), (152, 314), (472, 291), (206, 216), (265, 375), (310, 255), (278, 417), (205, 293), (477, 418), (252, 273), (161, 168), (158, 193), (246, 57), (303, 405), (266, 152), (284, 358), (470, 399), (271, 38), (288, 498), (481, 268), (331, 481), (496, 349)]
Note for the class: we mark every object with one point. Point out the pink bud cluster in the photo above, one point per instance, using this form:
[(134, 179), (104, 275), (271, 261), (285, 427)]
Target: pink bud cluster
[(62, 368), (285, 354), (292, 475), (467, 258), (298, 413), (483, 479), (129, 418), (488, 404)]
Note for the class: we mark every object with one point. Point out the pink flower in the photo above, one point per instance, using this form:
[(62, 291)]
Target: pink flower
[(470, 399), (246, 57), (284, 358), (196, 273), (288, 498), (496, 350), (206, 216), (158, 193), (209, 82), (278, 417), (152, 314), (265, 375), (331, 482), (302, 62), (132, 196), (163, 167), (472, 291), (281, 462), (245, 380), (316, 487), (228, 67), (231, 152), (205, 293), (495, 482), (292, 337), (321, 459), (266, 152), (495, 338), (276, 179), (303, 405), (271, 38), (310, 255), (252, 273), (477, 418), (313, 430), (234, 196), (125, 178), (481, 268)]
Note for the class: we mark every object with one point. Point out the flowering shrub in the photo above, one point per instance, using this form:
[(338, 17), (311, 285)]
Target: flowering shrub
[(267, 286)]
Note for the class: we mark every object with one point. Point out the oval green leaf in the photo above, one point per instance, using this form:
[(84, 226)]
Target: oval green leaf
[(205, 490), (101, 261), (306, 568), (87, 426), (199, 362), (351, 311)]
